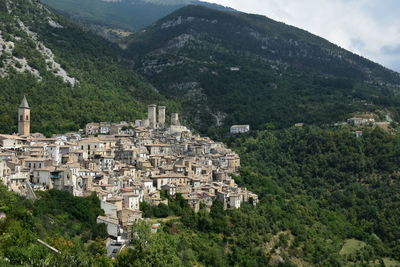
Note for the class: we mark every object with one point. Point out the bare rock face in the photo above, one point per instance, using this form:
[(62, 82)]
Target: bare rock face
[(52, 65), (10, 61)]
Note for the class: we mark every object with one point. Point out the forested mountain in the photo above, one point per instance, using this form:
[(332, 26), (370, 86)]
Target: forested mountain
[(115, 19), (70, 77), (327, 197), (239, 68), (222, 68)]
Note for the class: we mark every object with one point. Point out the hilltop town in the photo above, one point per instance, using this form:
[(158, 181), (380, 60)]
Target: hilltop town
[(124, 164)]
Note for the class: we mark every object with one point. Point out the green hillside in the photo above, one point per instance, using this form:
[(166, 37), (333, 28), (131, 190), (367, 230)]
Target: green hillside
[(241, 68), (50, 219), (38, 48), (327, 198)]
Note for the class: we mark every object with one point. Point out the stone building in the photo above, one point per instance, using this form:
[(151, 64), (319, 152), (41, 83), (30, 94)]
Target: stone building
[(151, 115), (161, 117)]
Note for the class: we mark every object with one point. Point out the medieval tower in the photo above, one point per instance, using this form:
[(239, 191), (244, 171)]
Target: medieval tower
[(161, 117), (24, 118), (152, 115)]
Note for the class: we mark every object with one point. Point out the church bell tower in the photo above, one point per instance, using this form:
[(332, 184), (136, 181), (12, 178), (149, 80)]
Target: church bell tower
[(24, 118)]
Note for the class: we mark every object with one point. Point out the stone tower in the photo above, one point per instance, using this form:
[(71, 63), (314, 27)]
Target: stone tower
[(152, 115), (175, 119), (161, 117), (24, 118)]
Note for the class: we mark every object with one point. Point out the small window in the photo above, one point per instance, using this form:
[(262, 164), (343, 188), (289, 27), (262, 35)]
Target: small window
[(27, 117), (20, 118)]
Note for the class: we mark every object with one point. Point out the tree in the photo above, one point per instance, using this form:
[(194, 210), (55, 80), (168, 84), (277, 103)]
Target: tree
[(141, 235)]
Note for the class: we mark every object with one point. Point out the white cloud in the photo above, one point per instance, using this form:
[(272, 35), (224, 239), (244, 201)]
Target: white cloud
[(370, 28)]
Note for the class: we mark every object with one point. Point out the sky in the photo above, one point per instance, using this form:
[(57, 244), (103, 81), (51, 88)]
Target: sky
[(370, 28)]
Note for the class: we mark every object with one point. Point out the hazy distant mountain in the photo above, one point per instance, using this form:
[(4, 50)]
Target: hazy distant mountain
[(126, 15)]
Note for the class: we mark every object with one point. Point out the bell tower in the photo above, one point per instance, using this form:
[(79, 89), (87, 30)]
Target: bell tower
[(24, 118)]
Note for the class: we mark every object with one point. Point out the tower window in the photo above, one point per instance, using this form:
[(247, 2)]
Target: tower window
[(27, 117), (21, 118)]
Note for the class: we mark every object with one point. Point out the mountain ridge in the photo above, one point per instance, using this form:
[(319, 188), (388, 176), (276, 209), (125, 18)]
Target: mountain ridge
[(217, 51), (259, 22), (115, 19)]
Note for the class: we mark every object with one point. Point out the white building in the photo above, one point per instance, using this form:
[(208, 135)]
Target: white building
[(131, 201), (237, 129)]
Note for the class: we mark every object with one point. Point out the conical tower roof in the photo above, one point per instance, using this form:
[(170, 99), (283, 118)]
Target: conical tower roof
[(24, 103)]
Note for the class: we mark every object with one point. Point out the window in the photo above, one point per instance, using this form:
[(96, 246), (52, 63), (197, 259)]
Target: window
[(20, 118), (27, 117)]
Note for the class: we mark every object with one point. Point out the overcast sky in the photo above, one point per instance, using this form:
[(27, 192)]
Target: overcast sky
[(370, 28)]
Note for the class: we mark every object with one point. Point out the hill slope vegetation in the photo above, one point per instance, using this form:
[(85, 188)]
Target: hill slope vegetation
[(327, 198), (69, 76)]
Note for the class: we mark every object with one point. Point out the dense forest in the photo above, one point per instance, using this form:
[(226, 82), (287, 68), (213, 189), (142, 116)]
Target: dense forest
[(65, 222), (328, 198)]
